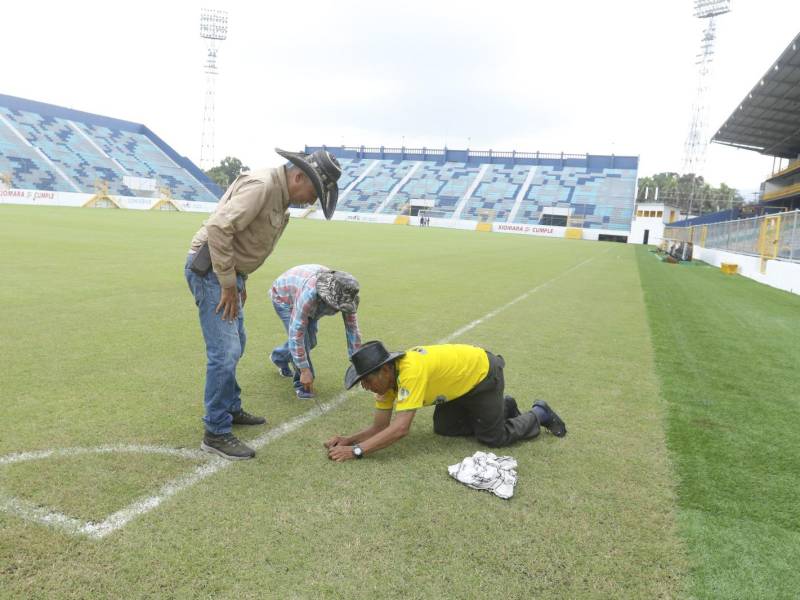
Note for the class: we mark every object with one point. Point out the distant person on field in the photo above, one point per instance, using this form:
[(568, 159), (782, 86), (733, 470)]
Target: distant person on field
[(464, 383), (231, 244), (301, 297)]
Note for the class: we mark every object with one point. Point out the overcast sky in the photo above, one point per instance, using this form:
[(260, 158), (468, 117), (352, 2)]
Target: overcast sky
[(583, 76)]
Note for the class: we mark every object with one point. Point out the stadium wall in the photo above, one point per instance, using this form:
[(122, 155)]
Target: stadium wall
[(780, 274), (515, 228), (76, 200)]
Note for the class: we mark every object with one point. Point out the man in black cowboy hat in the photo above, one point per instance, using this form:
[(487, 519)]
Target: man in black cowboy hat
[(232, 243), (301, 296), (465, 383)]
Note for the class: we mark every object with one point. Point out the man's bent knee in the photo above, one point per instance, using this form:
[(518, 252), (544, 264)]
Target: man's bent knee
[(494, 440), (451, 429)]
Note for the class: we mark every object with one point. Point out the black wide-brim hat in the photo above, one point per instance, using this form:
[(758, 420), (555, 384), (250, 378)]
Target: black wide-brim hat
[(323, 170), (370, 357)]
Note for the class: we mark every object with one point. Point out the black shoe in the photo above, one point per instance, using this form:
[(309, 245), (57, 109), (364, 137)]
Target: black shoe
[(283, 367), (555, 425), (227, 446), (245, 418), (511, 410)]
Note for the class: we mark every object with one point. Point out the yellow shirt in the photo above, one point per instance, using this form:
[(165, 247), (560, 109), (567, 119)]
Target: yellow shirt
[(434, 374)]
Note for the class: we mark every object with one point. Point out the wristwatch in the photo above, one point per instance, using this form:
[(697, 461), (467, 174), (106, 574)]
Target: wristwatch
[(358, 451)]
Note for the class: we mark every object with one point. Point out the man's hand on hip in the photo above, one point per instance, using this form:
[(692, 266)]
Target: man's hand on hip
[(229, 303)]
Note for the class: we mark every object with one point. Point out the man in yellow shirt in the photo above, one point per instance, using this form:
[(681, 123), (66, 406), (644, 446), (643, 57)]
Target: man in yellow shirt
[(465, 383)]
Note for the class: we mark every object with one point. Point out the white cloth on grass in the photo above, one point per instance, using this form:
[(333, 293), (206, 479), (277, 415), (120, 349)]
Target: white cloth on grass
[(485, 471)]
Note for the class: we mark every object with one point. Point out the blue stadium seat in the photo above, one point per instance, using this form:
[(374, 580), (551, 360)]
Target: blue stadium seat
[(368, 194), (26, 168), (446, 183), (601, 199), (47, 147), (586, 191), (67, 149), (496, 194), (140, 157)]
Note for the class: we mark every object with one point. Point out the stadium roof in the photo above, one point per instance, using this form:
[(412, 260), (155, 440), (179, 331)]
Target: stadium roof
[(768, 119), (473, 157)]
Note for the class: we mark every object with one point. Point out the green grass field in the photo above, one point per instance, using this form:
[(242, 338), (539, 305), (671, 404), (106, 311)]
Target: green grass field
[(678, 385)]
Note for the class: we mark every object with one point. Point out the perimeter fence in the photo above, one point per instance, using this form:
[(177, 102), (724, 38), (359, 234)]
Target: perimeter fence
[(767, 236)]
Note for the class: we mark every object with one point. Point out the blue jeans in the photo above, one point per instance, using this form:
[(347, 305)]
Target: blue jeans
[(225, 341), (281, 354)]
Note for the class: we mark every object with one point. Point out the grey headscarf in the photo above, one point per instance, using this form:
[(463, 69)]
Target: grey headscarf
[(338, 289)]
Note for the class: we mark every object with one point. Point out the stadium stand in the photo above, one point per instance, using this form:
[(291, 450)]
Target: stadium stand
[(496, 192), (48, 147), (586, 191)]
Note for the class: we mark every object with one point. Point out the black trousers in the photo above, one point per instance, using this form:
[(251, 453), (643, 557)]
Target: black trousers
[(481, 412)]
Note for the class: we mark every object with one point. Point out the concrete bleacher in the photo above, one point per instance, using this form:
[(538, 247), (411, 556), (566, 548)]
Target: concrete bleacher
[(47, 147), (367, 185), (600, 199), (592, 191), (446, 183), (66, 149), (497, 192), (24, 166)]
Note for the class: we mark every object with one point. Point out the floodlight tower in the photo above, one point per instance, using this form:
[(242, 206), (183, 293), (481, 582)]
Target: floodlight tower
[(213, 29), (696, 141)]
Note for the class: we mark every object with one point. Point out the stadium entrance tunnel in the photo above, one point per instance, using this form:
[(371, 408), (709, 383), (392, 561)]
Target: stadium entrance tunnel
[(604, 237)]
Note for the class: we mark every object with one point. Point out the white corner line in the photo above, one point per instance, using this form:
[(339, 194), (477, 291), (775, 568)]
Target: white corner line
[(213, 465)]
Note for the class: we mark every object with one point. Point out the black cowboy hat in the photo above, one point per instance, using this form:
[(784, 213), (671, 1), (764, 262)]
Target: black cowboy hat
[(323, 170), (370, 357)]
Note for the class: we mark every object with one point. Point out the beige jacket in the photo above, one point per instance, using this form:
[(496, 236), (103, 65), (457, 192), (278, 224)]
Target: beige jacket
[(243, 230)]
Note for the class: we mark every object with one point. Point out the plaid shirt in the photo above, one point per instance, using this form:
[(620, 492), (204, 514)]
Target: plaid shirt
[(297, 289)]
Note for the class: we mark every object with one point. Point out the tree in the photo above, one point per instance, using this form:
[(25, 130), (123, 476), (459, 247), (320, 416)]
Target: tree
[(688, 192), (227, 170)]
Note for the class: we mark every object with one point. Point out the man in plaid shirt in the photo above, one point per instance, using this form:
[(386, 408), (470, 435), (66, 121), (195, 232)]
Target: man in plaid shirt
[(301, 296)]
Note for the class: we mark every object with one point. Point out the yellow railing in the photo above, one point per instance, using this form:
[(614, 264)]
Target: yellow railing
[(783, 192), (795, 166), (767, 236)]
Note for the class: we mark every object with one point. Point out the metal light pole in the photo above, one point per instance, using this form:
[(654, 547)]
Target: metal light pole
[(694, 151), (213, 29)]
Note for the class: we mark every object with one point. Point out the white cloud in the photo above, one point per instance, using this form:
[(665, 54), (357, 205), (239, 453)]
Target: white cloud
[(576, 77)]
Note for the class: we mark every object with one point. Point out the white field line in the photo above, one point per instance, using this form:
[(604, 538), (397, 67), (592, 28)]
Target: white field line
[(496, 311), (121, 518), (135, 448)]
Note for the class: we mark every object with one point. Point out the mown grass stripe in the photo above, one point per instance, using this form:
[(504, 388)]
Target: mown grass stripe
[(726, 354)]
